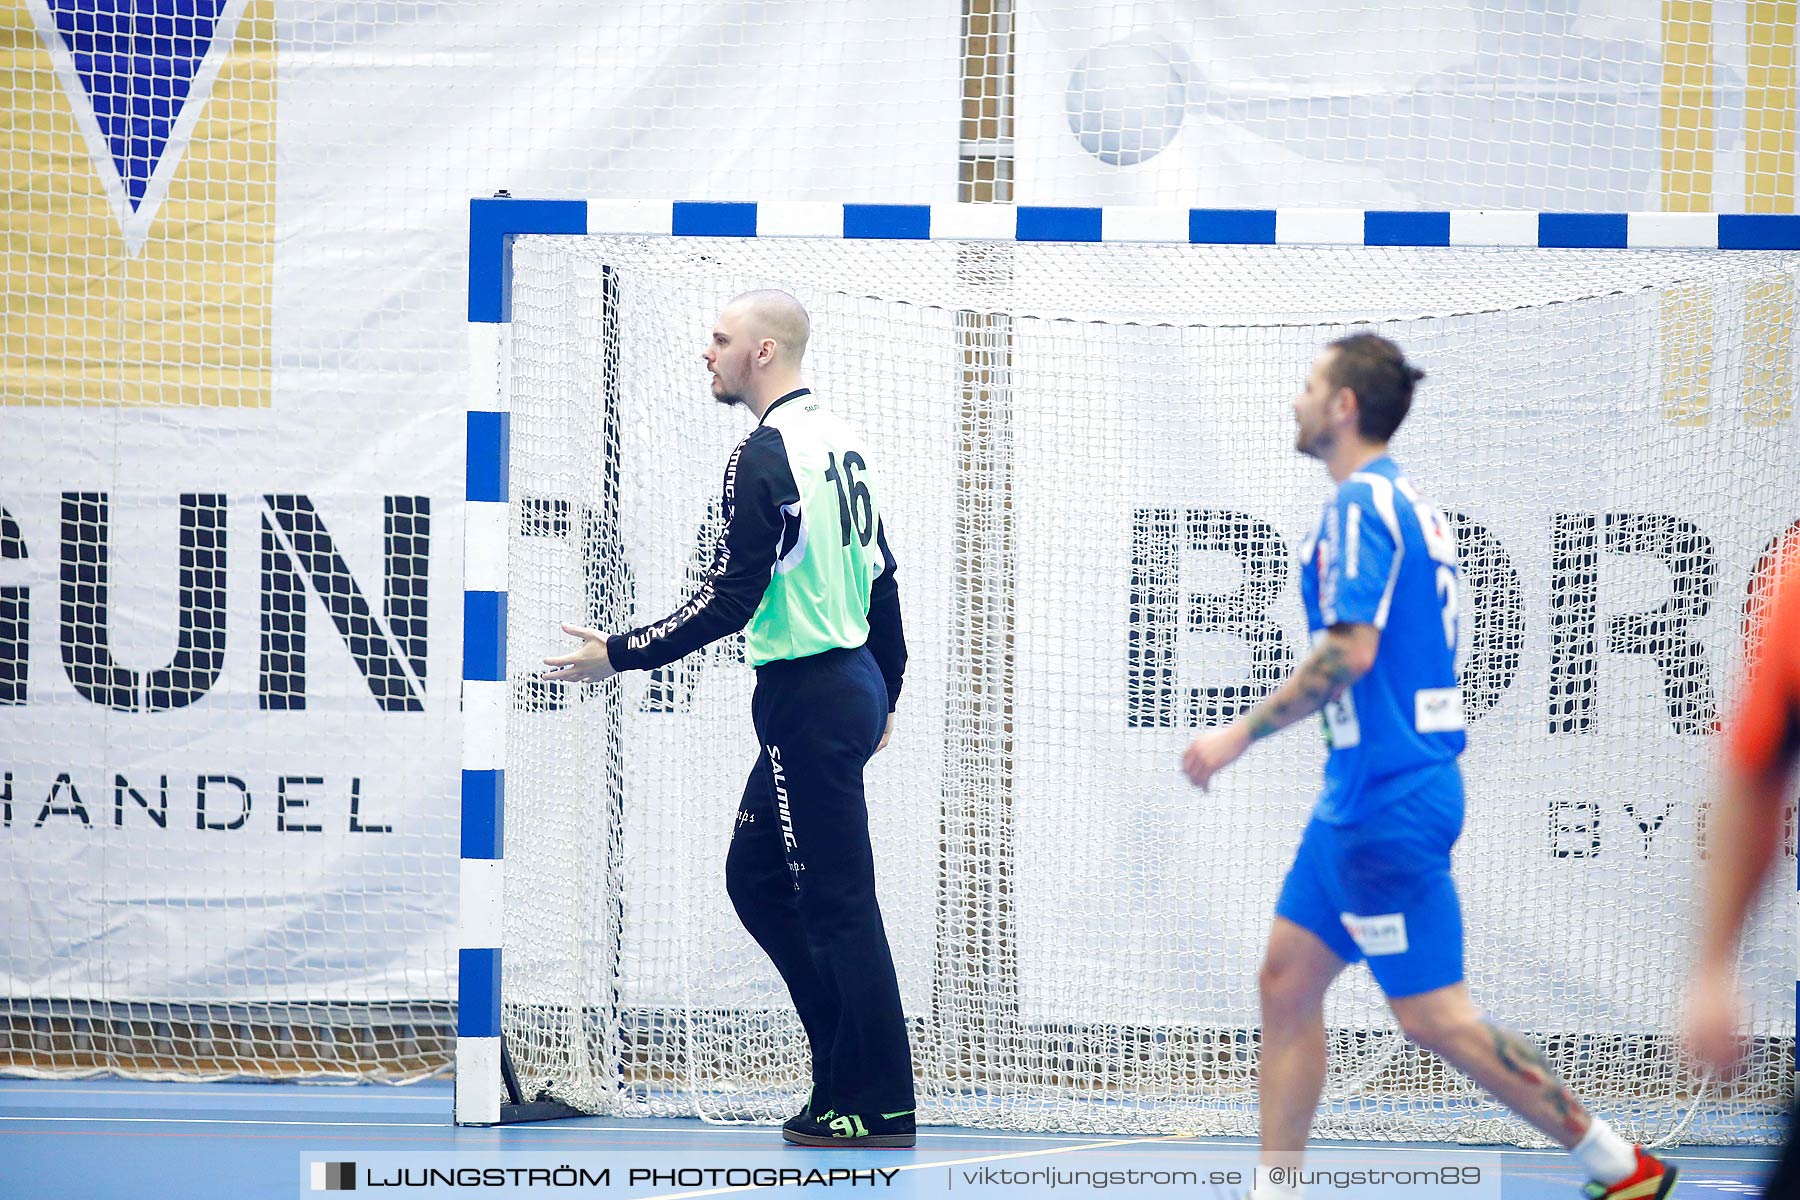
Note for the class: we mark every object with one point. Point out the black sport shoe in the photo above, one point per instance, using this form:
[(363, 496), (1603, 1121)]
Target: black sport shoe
[(888, 1130), (793, 1123)]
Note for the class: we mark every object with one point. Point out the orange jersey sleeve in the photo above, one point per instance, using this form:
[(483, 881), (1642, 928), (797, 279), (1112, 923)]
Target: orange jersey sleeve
[(1765, 734)]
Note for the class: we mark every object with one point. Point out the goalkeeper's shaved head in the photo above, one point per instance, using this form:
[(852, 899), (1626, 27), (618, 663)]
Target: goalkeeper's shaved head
[(769, 313), (755, 349)]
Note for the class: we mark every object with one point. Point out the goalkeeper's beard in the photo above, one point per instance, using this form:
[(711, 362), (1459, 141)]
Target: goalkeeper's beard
[(725, 395)]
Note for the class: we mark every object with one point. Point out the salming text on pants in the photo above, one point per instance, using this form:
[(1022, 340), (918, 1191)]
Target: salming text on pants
[(801, 874)]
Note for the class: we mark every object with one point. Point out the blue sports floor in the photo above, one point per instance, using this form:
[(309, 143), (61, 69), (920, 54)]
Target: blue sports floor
[(110, 1138)]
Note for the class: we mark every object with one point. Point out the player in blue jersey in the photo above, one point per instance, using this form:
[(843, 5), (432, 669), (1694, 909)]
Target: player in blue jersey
[(1371, 880)]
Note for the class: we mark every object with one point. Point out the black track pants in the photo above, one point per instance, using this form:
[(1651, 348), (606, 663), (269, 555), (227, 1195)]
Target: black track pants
[(802, 876)]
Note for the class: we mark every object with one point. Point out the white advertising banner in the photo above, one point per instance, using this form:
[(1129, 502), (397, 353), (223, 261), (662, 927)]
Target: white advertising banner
[(231, 437), (1449, 104), (1606, 558)]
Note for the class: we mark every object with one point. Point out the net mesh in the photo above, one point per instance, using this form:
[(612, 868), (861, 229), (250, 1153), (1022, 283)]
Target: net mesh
[(1091, 492)]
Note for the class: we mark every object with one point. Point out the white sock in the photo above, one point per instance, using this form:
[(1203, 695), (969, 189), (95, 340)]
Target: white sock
[(1264, 1188), (1604, 1155)]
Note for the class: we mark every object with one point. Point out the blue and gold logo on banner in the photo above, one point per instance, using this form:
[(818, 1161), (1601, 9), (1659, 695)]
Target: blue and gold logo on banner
[(137, 149)]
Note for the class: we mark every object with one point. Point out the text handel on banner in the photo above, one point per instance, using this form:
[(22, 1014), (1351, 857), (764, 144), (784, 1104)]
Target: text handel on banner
[(301, 574)]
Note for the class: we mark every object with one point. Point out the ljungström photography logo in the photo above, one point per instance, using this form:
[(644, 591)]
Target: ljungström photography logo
[(334, 1177)]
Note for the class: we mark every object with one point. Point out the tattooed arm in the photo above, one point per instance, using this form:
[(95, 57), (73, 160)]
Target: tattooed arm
[(1339, 659), (1343, 656)]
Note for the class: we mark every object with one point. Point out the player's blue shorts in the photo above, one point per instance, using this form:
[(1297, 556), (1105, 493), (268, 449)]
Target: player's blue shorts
[(1380, 888)]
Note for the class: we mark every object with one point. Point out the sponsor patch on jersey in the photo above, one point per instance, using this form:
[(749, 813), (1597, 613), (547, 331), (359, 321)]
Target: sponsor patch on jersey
[(1377, 936), (1340, 722), (792, 549), (1437, 710)]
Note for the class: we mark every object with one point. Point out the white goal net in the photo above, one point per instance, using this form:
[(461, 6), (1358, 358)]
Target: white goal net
[(1091, 490)]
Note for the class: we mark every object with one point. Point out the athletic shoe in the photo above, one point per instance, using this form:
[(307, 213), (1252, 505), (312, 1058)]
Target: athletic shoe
[(849, 1130), (1652, 1180), (805, 1115)]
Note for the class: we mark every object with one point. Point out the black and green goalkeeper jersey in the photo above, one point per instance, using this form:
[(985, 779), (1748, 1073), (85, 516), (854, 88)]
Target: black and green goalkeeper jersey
[(803, 565)]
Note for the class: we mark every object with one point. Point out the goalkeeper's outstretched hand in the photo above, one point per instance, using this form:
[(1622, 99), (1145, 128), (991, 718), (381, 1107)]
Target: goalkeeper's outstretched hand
[(587, 665)]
